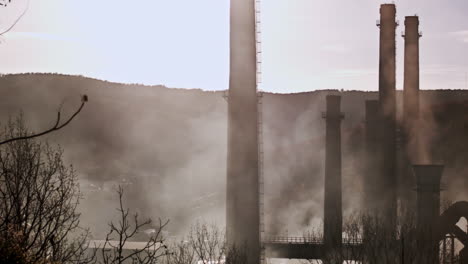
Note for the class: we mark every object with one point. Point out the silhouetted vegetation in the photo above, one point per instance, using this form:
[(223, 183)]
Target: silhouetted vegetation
[(367, 240), (4, 4), (121, 233), (39, 196), (58, 125), (206, 244)]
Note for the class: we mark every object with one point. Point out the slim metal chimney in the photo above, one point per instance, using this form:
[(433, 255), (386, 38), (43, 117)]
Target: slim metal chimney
[(428, 193), (373, 183), (388, 110), (411, 73), (242, 201), (410, 131), (428, 209), (333, 219), (387, 59)]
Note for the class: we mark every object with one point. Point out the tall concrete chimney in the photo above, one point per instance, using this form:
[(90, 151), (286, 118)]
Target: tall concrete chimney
[(242, 201), (333, 219), (373, 183), (428, 209), (388, 110), (411, 72), (410, 132)]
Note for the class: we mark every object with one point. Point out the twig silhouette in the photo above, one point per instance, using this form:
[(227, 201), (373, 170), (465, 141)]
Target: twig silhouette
[(17, 20), (56, 127)]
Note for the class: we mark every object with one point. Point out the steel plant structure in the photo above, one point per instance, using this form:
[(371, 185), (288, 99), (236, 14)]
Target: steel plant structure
[(389, 174)]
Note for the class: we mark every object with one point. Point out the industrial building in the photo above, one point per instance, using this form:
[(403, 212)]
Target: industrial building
[(397, 180)]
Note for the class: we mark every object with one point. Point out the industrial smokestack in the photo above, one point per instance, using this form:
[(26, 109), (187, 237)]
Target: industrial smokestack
[(333, 219), (242, 201), (428, 208), (388, 110), (373, 184), (387, 26), (410, 132), (411, 73), (428, 193)]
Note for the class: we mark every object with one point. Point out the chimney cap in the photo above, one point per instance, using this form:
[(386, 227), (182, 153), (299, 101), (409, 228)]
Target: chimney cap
[(411, 20), (388, 8), (333, 107)]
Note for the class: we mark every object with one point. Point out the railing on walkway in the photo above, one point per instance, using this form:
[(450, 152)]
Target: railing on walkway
[(292, 240), (305, 240)]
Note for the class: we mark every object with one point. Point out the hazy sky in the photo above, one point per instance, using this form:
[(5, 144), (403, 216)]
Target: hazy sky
[(307, 44)]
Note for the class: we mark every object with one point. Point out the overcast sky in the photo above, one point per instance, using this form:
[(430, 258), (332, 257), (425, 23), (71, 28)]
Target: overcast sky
[(307, 44)]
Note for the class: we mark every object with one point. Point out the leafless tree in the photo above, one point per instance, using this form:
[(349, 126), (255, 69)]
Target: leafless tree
[(206, 244), (57, 126), (39, 196), (115, 251), (408, 243), (181, 252), (366, 240)]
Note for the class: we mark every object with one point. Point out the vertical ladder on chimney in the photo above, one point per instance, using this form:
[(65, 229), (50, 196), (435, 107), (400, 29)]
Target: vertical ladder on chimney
[(260, 178), (397, 24), (258, 42), (258, 48)]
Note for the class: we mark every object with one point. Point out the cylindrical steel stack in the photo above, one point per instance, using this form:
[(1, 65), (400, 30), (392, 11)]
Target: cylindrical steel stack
[(387, 112), (410, 125), (428, 179), (372, 182), (333, 219), (242, 201)]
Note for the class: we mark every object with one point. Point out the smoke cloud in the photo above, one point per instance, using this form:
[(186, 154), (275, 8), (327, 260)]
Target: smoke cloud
[(168, 147)]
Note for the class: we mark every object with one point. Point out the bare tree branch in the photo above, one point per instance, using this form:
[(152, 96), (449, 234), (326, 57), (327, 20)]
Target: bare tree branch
[(39, 196), (17, 20), (206, 244), (125, 230), (2, 2), (56, 127)]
